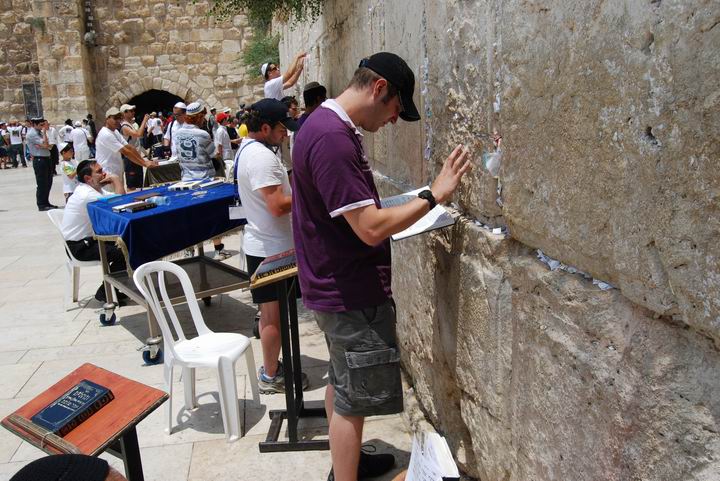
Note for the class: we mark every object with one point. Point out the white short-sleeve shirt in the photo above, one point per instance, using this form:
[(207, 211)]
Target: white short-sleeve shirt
[(170, 134), (258, 167), (274, 88), (76, 223), (107, 151)]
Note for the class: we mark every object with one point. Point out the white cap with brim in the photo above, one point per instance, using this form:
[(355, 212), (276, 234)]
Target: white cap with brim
[(112, 112), (264, 68), (77, 123), (64, 146), (126, 107), (181, 105), (194, 108)]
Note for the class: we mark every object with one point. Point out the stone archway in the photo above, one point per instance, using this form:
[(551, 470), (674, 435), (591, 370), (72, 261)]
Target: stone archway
[(153, 101), (138, 81)]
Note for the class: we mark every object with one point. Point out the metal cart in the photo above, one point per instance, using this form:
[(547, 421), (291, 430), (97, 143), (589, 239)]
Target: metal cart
[(208, 276)]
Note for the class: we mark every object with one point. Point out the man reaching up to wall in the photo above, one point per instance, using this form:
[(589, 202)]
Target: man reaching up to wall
[(343, 251), (275, 82)]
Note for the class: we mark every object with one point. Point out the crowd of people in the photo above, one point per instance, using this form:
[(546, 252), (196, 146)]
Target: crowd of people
[(328, 211)]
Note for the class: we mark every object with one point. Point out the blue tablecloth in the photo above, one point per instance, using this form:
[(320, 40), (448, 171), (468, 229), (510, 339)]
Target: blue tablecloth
[(150, 234)]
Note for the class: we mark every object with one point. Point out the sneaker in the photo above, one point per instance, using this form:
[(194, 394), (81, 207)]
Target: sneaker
[(222, 254), (275, 385), (371, 465)]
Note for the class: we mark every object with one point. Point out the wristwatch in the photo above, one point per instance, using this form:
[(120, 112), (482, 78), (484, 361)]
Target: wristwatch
[(428, 196)]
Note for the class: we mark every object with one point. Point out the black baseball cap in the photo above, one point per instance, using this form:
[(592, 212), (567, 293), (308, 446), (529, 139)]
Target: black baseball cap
[(273, 111), (394, 69)]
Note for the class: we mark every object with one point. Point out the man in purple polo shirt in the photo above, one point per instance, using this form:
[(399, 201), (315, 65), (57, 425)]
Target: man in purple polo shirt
[(343, 251)]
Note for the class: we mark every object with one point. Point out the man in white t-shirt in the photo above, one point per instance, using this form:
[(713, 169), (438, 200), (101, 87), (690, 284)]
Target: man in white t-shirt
[(76, 227), (178, 121), (275, 82), (223, 147), (81, 144), (16, 143), (265, 193), (154, 125), (111, 146), (64, 131)]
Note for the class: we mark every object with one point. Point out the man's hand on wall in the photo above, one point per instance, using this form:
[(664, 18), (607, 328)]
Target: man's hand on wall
[(454, 167)]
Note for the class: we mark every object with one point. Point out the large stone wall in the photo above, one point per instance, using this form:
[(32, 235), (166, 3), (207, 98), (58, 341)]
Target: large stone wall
[(171, 46), (18, 58), (139, 45), (609, 113)]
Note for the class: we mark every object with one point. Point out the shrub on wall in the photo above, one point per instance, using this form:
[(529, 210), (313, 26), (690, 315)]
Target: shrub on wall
[(263, 47)]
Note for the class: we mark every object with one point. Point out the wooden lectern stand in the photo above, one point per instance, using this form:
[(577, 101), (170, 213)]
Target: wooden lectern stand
[(290, 340), (110, 429)]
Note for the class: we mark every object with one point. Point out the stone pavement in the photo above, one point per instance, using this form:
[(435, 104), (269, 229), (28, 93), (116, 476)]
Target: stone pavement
[(41, 342)]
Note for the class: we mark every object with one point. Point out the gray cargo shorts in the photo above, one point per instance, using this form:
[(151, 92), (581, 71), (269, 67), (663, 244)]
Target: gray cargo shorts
[(364, 360)]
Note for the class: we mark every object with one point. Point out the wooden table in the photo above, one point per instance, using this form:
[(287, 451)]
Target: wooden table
[(110, 429)]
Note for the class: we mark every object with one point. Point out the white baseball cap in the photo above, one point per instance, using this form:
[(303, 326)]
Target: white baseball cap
[(194, 108), (264, 68), (64, 145), (181, 105), (111, 112), (77, 123), (126, 107)]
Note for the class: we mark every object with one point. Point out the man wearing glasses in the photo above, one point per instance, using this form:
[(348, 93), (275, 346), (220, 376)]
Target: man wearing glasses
[(343, 251), (76, 226), (275, 82), (111, 147)]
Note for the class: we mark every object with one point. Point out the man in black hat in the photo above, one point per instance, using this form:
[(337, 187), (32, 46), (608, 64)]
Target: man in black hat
[(343, 252), (314, 94), (264, 189)]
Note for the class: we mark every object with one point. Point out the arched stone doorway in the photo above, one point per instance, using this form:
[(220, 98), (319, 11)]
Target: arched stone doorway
[(153, 101)]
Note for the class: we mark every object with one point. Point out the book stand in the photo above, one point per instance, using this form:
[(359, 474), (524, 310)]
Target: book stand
[(110, 429), (290, 344)]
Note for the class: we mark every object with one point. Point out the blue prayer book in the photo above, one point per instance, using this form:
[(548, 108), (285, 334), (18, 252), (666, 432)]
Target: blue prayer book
[(72, 408)]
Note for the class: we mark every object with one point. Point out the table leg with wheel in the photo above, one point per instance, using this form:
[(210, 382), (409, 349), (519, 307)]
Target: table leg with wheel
[(107, 317)]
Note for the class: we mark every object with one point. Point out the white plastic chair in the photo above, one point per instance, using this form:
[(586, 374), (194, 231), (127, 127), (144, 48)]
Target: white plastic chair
[(72, 266), (209, 349)]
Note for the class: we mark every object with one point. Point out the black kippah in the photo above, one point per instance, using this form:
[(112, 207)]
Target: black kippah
[(64, 467)]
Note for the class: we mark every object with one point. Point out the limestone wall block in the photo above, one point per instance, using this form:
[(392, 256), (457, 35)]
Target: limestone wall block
[(15, 56), (22, 29), (169, 23), (232, 34), (157, 83), (75, 90), (72, 63), (133, 62), (179, 35), (9, 18), (132, 26), (220, 82), (196, 58), (121, 37), (184, 23), (233, 46), (204, 81), (152, 24), (187, 48), (147, 37), (159, 10), (162, 37), (175, 11), (147, 60), (209, 47), (163, 59), (156, 48), (102, 14)]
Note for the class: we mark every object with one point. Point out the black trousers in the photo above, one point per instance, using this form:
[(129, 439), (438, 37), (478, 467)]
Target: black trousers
[(88, 250), (54, 156), (43, 178), (15, 152)]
